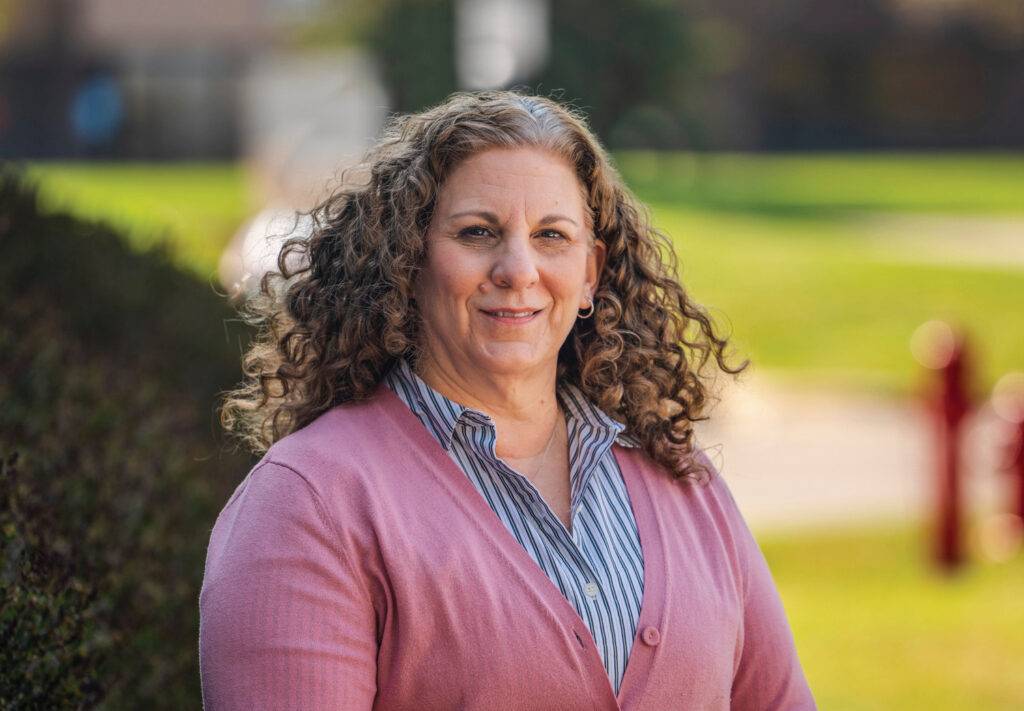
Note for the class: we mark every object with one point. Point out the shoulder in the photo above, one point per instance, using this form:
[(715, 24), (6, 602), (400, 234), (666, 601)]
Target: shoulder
[(314, 484), (706, 487), (715, 495), (704, 506), (340, 440), (329, 465)]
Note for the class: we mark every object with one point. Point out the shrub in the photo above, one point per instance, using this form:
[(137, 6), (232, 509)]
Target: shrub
[(111, 468)]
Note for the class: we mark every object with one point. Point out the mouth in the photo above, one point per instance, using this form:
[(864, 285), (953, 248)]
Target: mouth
[(511, 316)]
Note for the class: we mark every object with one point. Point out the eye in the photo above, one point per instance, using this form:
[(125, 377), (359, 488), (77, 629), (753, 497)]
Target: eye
[(474, 232), (553, 235)]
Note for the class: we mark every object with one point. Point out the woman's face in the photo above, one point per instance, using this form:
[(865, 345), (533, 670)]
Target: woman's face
[(510, 261)]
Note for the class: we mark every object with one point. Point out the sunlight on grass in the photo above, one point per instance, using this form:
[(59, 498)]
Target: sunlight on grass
[(878, 629), (805, 295), (815, 183), (196, 207)]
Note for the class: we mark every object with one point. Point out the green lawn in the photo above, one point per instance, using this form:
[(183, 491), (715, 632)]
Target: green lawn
[(814, 184), (812, 299), (878, 630), (776, 246), (197, 206)]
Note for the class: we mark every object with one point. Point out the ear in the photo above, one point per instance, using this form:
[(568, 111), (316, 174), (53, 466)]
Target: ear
[(595, 265)]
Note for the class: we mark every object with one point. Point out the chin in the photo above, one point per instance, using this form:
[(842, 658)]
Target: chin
[(510, 361)]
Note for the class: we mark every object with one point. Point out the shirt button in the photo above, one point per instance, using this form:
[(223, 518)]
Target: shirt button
[(591, 590), (539, 509), (650, 636)]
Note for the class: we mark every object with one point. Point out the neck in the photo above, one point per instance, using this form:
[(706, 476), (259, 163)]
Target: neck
[(523, 406)]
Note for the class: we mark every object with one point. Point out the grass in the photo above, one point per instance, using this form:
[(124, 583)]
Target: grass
[(775, 245), (778, 248), (877, 629), (817, 184), (816, 299), (195, 207)]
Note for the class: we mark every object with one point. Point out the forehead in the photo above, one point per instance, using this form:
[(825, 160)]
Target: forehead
[(527, 177)]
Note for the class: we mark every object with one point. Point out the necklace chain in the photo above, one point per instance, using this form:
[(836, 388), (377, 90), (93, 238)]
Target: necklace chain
[(544, 457)]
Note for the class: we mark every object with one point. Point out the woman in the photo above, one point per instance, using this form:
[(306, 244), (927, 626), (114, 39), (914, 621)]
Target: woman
[(480, 488)]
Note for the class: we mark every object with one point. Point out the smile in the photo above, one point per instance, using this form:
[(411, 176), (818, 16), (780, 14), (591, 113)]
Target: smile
[(511, 316)]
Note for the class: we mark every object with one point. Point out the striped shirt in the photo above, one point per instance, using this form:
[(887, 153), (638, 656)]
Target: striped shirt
[(598, 567)]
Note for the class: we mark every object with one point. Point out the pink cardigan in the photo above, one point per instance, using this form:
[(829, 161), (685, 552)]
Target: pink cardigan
[(356, 567)]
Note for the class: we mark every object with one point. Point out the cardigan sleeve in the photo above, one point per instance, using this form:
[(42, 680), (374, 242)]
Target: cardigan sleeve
[(768, 675), (286, 622)]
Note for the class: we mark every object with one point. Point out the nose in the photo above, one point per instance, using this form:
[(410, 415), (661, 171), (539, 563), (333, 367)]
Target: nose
[(515, 265)]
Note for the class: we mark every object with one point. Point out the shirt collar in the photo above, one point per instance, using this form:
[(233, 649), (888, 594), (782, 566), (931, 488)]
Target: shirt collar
[(442, 415), (588, 415)]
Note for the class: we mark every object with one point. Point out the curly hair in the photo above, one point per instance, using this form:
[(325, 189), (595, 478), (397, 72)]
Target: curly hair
[(340, 311)]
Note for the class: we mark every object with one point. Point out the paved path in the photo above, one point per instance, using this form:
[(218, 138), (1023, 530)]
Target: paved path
[(990, 241), (798, 459)]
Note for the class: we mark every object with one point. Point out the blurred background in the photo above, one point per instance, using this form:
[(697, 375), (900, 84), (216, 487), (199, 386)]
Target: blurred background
[(844, 185)]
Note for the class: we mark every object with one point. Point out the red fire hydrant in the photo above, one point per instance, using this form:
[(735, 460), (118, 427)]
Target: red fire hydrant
[(943, 350)]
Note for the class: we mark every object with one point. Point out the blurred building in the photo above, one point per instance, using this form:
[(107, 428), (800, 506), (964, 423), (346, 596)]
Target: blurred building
[(144, 79), (151, 79), (191, 80), (127, 78), (877, 74)]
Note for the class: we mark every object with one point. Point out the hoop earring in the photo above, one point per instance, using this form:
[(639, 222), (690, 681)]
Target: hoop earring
[(589, 313)]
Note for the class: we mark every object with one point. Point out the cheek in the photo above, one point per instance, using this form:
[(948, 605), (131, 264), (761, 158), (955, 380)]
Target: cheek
[(445, 283), (570, 276)]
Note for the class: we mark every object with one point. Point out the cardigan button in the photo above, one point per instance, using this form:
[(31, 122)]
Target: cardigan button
[(651, 636)]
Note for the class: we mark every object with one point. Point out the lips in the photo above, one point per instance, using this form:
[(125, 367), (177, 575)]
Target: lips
[(501, 313), (517, 315)]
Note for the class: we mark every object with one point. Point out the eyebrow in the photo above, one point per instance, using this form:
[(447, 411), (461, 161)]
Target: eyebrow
[(493, 219)]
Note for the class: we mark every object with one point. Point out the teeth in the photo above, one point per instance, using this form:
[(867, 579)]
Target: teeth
[(510, 314)]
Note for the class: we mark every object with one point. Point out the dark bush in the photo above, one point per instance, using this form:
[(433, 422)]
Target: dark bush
[(111, 466)]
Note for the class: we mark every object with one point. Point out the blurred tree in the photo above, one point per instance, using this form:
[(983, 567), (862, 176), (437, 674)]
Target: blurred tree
[(415, 45), (412, 40), (337, 23), (627, 64), (876, 74)]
